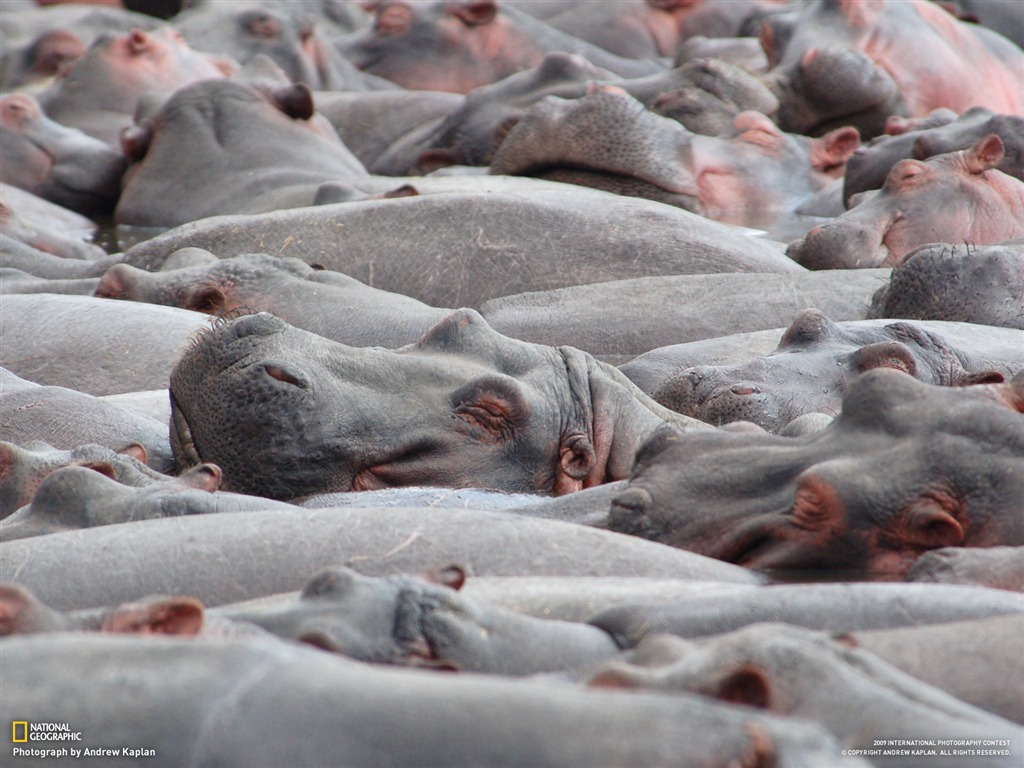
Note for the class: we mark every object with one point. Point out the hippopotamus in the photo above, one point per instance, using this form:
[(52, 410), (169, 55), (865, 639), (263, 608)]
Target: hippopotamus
[(490, 411), (996, 567), (1005, 18), (59, 164), (944, 655), (22, 468), (221, 146), (414, 621), (96, 346), (33, 231), (301, 707), (230, 559), (955, 282), (100, 91), (906, 467), (610, 141), (792, 671), (809, 371), (458, 46), (285, 32), (957, 197), (66, 419), (839, 62), (18, 281), (75, 497), (941, 131), (536, 235)]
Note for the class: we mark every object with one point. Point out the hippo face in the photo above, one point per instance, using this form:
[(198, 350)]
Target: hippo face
[(906, 467), (951, 198), (287, 413), (809, 371)]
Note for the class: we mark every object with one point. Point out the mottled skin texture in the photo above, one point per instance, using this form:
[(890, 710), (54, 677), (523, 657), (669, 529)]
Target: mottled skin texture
[(893, 57), (793, 671), (812, 367), (73, 498), (411, 621), (220, 147), (59, 164), (271, 551), (458, 46), (997, 567), (308, 707), (953, 198), (98, 94), (255, 394), (905, 468), (329, 304), (957, 282), (940, 132), (22, 468), (610, 141)]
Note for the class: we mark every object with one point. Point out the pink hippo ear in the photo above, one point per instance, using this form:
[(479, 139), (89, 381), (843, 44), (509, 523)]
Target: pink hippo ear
[(136, 450), (204, 477), (14, 601), (860, 13), (830, 152), (884, 354), (985, 155), (473, 13), (747, 685), (451, 576), (164, 616), (614, 675), (755, 128), (577, 461), (931, 525), (135, 141)]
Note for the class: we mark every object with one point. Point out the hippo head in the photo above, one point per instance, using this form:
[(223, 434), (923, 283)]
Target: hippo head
[(286, 413), (809, 371), (906, 467)]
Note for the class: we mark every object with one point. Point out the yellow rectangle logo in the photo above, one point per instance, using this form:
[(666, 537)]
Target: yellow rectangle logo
[(24, 730)]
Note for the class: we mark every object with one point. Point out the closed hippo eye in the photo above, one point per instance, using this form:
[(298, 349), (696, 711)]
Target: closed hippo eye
[(493, 403), (282, 374), (816, 503)]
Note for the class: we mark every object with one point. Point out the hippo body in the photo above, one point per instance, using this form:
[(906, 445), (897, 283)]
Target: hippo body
[(996, 567), (279, 550)]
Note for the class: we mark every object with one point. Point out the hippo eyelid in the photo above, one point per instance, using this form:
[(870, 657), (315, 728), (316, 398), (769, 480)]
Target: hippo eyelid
[(282, 374)]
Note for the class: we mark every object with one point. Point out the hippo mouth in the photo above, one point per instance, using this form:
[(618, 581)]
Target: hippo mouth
[(183, 444)]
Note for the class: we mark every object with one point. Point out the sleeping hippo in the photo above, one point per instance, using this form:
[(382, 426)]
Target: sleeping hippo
[(286, 413)]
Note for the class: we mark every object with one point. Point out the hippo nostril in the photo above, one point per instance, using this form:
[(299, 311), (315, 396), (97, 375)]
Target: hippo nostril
[(743, 389)]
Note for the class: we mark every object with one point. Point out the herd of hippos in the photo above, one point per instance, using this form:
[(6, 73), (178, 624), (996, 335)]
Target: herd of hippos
[(542, 383)]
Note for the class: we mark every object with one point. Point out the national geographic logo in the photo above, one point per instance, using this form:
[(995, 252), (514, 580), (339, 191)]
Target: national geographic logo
[(23, 731)]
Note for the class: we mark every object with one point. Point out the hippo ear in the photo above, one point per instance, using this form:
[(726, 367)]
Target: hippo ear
[(103, 467), (209, 299), (577, 460), (451, 576), (884, 354), (756, 128), (473, 13), (116, 282), (135, 141), (614, 675), (14, 602), (860, 13), (985, 155), (164, 616), (136, 450), (830, 152), (204, 477), (808, 327), (747, 685), (931, 525), (295, 100), (969, 379)]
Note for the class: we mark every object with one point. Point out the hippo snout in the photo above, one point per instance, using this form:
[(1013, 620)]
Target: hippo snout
[(839, 245)]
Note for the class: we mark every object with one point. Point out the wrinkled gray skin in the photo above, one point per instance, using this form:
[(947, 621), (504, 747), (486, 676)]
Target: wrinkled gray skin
[(958, 197), (997, 567), (329, 304), (409, 621), (96, 346), (978, 661), (286, 413), (22, 468), (905, 468), (609, 140), (277, 551), (553, 235), (309, 708), (67, 418), (810, 369), (73, 498), (60, 164), (99, 92), (222, 147), (796, 672), (956, 282), (828, 607), (942, 131), (648, 312)]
